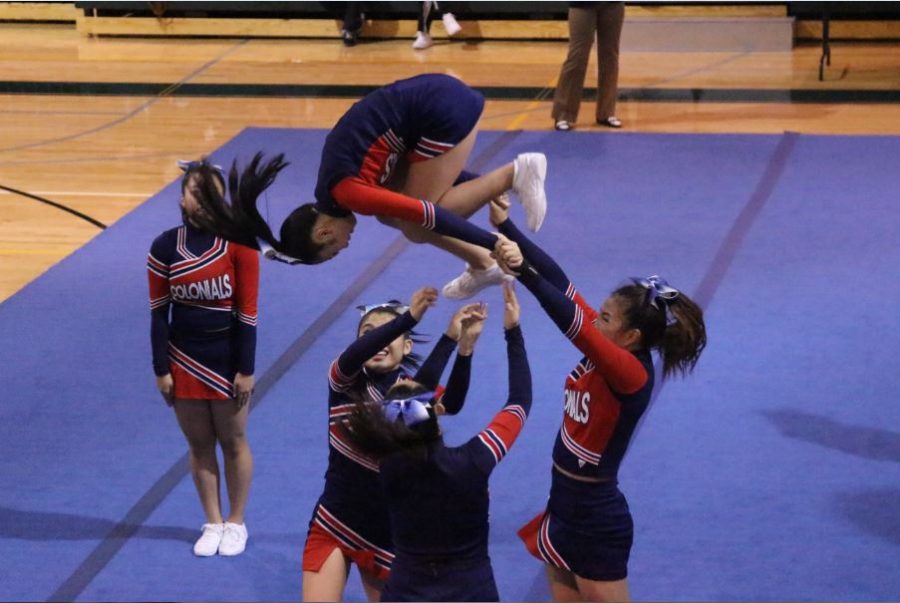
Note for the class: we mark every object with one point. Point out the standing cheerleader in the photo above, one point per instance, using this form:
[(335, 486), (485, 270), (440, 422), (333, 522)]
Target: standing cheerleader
[(350, 522), (437, 495), (203, 292), (584, 536)]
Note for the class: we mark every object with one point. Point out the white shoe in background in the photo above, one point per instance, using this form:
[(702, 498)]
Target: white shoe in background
[(423, 41), (451, 24)]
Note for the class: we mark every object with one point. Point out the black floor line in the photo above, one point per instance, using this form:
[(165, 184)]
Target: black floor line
[(55, 204), (654, 94)]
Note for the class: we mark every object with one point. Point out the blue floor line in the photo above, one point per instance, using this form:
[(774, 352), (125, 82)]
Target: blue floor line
[(731, 244)]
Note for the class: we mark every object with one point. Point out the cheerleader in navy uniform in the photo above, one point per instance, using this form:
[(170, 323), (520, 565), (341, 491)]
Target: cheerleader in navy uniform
[(437, 496), (350, 521), (585, 534), (204, 356), (399, 154)]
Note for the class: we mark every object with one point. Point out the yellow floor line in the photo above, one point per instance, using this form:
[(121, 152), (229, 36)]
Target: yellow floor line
[(518, 120), (36, 251)]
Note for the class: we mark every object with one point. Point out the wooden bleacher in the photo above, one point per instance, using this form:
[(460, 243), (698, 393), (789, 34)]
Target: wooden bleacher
[(492, 20)]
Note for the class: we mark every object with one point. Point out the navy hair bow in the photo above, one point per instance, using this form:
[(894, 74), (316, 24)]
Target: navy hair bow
[(395, 305), (658, 289), (411, 410)]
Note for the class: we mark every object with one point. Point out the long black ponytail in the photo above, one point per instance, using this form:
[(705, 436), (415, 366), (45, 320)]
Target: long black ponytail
[(245, 187), (240, 220)]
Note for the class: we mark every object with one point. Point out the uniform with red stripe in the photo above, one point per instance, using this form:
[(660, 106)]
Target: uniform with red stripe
[(439, 508), (351, 513), (604, 397), (415, 119), (210, 286), (587, 528)]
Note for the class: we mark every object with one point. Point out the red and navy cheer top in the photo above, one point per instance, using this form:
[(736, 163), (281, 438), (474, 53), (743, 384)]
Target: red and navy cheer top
[(414, 119), (607, 391), (209, 286)]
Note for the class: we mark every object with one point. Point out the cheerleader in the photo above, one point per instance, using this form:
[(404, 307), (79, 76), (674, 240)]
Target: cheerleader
[(437, 495), (398, 154), (584, 536), (203, 293), (350, 522)]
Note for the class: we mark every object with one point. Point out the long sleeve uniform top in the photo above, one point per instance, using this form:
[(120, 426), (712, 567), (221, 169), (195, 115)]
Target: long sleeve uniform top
[(607, 391), (352, 490), (363, 148), (439, 507), (209, 285)]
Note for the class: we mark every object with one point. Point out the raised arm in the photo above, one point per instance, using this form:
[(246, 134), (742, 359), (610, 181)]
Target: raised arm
[(467, 325), (537, 257), (493, 443), (429, 374), (348, 364), (454, 396), (622, 370), (361, 197), (431, 369)]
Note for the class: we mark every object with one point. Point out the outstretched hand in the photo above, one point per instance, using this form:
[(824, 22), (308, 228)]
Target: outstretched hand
[(454, 329), (500, 209), (508, 255), (511, 308), (421, 300), (472, 325)]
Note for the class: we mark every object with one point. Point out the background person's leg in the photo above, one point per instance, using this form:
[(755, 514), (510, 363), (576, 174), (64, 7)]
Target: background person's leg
[(567, 98), (562, 584), (610, 17)]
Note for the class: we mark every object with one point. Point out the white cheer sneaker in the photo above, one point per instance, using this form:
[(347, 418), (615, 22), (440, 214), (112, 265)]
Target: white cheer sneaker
[(529, 173), (234, 540), (451, 24), (422, 41), (208, 543), (472, 281)]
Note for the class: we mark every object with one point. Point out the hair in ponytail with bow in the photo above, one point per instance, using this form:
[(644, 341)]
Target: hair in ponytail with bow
[(240, 220), (407, 431), (669, 321)]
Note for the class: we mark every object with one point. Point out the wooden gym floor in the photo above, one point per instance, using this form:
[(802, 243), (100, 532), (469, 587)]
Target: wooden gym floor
[(104, 154)]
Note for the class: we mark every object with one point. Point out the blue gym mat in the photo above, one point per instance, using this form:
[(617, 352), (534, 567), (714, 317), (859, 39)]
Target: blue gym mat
[(770, 474)]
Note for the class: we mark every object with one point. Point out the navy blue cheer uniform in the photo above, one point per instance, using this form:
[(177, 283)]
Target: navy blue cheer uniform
[(439, 507), (415, 119), (209, 286), (351, 513), (586, 528)]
